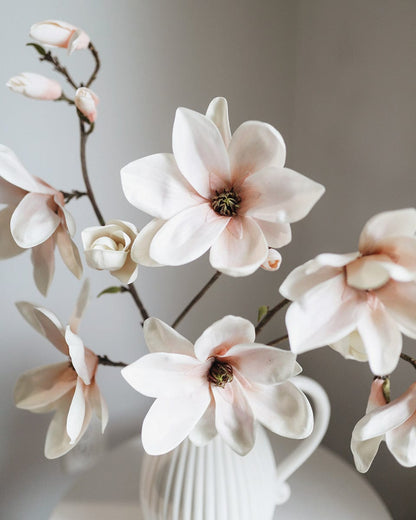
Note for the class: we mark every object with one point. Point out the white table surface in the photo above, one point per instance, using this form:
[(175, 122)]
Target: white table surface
[(324, 488)]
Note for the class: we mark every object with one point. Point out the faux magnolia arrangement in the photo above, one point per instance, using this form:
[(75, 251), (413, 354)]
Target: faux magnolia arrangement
[(229, 194)]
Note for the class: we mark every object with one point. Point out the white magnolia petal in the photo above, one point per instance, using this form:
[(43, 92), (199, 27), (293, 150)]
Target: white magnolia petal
[(43, 260), (166, 375), (106, 259), (51, 328), (234, 418), (282, 408), (323, 315), (400, 222), (8, 246), (187, 236), (277, 234), (77, 355), (199, 150), (400, 302), (239, 255), (9, 193), (263, 364), (351, 347), (205, 429), (402, 249), (280, 195), (255, 146), (98, 404), (128, 273), (69, 252), (76, 412), (218, 113), (169, 421), (155, 185), (364, 452), (218, 338), (401, 442), (33, 221), (40, 387), (160, 337), (140, 250), (80, 306)]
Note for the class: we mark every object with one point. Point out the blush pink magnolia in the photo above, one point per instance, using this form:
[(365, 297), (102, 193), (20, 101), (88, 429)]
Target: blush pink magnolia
[(359, 303), (35, 86), (229, 194), (69, 388), (54, 33), (394, 423), (35, 218), (86, 102), (221, 385)]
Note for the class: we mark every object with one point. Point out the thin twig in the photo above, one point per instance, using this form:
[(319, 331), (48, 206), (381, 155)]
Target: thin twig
[(97, 64), (74, 194), (194, 300), (132, 290), (59, 68), (270, 313), (278, 340), (409, 359), (104, 360)]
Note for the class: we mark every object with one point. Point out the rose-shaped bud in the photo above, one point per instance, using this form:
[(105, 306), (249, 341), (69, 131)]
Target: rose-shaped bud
[(108, 247), (54, 33), (273, 260), (86, 102), (35, 86)]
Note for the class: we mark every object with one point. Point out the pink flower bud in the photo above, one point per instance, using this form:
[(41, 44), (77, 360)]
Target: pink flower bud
[(35, 86), (273, 261), (86, 102), (54, 33)]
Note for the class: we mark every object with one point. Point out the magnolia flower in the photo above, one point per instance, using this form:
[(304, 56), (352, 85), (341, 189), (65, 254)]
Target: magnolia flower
[(359, 302), (35, 219), (229, 194), (108, 247), (273, 260), (221, 385), (35, 86), (86, 102), (394, 423), (53, 33), (68, 388)]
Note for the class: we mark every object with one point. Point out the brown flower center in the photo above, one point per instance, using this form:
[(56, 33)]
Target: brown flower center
[(226, 202), (220, 373)]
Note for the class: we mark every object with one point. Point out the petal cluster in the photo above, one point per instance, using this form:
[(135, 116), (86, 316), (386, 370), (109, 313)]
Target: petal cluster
[(229, 194), (86, 102), (35, 218), (68, 389), (394, 423), (55, 33), (221, 385), (359, 303), (35, 86)]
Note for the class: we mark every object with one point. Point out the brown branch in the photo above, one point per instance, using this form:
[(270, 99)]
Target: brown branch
[(278, 340), (94, 52), (104, 360), (270, 313), (59, 68), (132, 290), (409, 359)]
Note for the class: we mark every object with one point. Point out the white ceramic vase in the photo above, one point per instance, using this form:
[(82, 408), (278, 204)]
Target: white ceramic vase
[(214, 483)]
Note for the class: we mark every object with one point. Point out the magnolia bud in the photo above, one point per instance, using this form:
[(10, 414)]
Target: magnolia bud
[(273, 260), (35, 86), (54, 33), (86, 102)]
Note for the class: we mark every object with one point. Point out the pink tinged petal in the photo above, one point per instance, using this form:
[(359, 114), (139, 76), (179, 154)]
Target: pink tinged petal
[(98, 405), (9, 193), (217, 339), (273, 261), (79, 40), (187, 236), (400, 302), (160, 337), (263, 364), (205, 429), (218, 113), (279, 195), (35, 86), (402, 442), (324, 315), (76, 413), (239, 256), (33, 221), (381, 337), (277, 234), (169, 421), (374, 271), (54, 33), (402, 250), (43, 260), (80, 306), (8, 247), (234, 418), (69, 252), (140, 250), (401, 222), (68, 219), (38, 389), (78, 355), (282, 408), (155, 185), (199, 150), (166, 375), (51, 328), (351, 347), (364, 452), (376, 398)]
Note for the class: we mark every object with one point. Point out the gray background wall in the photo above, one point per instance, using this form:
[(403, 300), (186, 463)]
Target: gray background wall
[(337, 78)]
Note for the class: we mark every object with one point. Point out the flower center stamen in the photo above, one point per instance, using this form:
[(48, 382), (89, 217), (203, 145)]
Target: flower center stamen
[(220, 373), (226, 202)]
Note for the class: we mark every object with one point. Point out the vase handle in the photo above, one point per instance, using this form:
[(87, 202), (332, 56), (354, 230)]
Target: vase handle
[(322, 412)]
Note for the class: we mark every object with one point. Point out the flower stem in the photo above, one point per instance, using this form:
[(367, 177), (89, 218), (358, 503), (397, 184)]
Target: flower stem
[(270, 313), (278, 340), (196, 298), (59, 68), (74, 194), (409, 359), (66, 98), (132, 290), (97, 64), (104, 360)]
